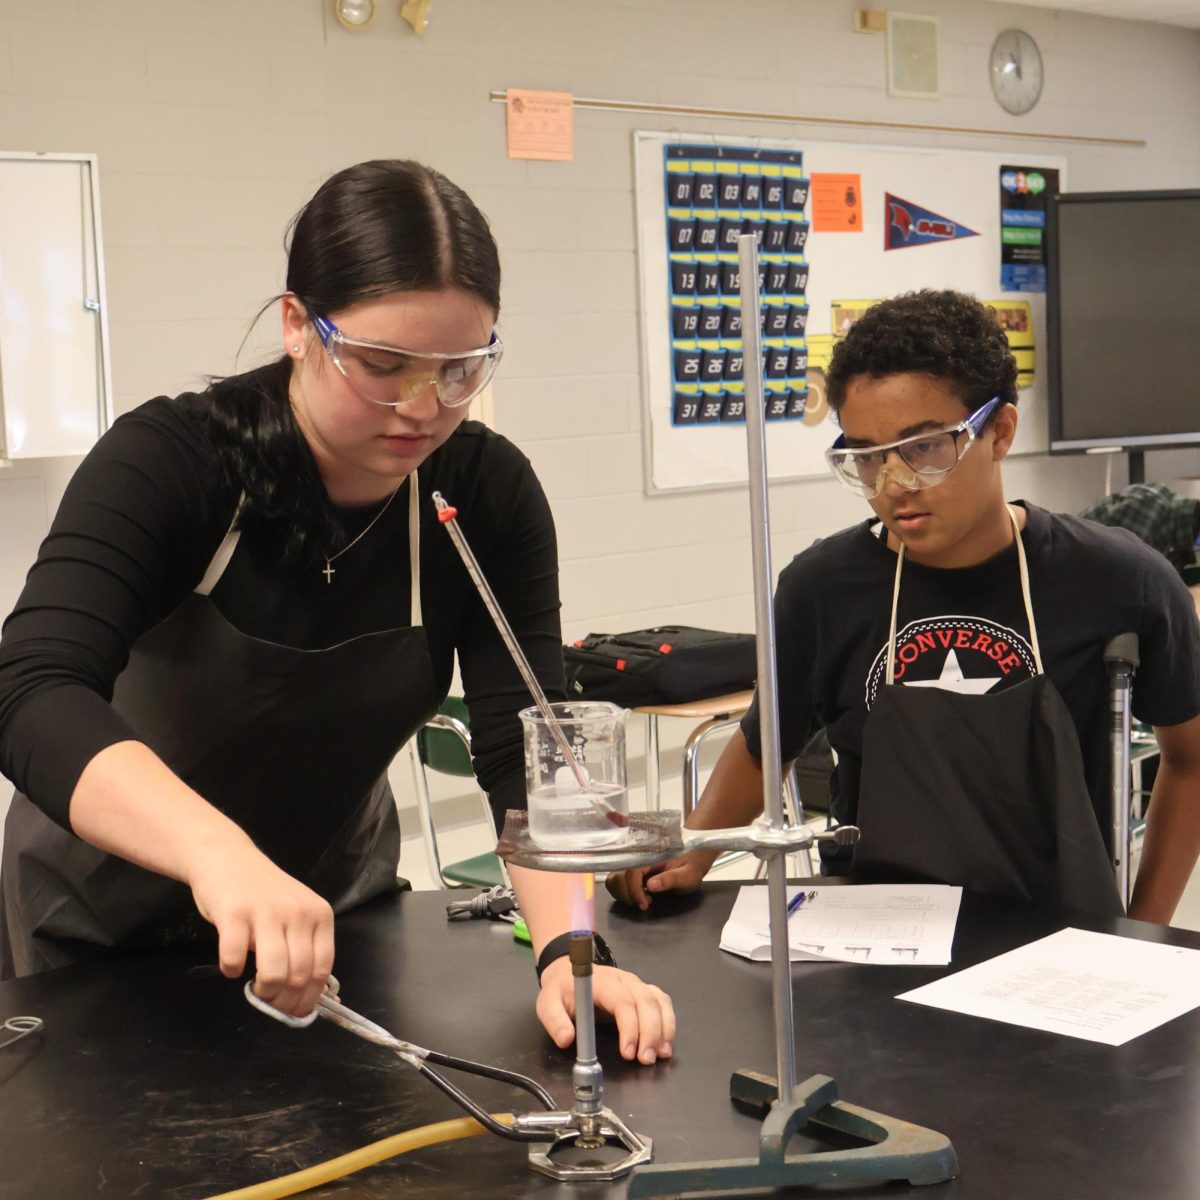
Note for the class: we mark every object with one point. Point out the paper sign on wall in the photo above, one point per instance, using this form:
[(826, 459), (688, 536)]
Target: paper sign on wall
[(540, 125), (836, 203)]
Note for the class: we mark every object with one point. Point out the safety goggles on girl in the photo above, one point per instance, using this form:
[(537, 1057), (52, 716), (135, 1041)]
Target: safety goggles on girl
[(390, 375), (921, 461)]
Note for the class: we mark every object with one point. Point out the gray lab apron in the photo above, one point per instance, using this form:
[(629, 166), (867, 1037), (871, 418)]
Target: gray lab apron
[(293, 745), (985, 791)]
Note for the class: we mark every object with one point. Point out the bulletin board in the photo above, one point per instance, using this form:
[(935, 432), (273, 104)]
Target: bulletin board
[(840, 227)]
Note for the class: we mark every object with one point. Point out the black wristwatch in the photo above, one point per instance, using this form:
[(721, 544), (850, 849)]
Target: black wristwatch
[(557, 947)]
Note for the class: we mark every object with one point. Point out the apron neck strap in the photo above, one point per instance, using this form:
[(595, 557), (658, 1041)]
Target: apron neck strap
[(414, 550), (1022, 566), (891, 654), (221, 559)]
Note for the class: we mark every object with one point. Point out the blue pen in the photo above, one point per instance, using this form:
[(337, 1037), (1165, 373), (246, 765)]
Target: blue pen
[(798, 899)]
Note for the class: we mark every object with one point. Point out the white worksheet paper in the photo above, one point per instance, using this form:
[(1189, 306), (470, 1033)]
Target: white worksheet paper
[(903, 924), (1086, 985)]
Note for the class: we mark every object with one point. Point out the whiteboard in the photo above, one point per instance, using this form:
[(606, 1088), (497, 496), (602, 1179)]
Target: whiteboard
[(960, 185), (55, 379)]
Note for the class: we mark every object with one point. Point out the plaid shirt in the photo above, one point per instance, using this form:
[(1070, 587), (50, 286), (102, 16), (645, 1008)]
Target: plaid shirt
[(1168, 522)]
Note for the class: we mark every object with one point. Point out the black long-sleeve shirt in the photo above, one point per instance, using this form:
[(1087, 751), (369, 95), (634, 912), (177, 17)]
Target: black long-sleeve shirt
[(138, 526)]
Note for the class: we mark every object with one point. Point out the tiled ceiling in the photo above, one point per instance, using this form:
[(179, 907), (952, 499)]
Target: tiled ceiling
[(1167, 12)]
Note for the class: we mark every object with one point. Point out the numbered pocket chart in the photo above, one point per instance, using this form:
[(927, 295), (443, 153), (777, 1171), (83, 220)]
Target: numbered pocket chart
[(696, 194), (713, 194)]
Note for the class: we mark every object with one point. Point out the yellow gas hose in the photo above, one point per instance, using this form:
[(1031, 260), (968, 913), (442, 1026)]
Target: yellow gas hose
[(365, 1156)]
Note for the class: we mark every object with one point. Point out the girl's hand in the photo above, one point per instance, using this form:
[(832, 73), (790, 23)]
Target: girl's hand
[(644, 1015), (256, 906)]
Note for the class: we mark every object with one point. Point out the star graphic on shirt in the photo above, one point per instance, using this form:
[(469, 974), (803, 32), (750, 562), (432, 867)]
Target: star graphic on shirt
[(952, 679)]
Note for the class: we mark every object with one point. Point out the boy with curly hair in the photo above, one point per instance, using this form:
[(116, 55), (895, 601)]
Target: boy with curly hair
[(951, 646)]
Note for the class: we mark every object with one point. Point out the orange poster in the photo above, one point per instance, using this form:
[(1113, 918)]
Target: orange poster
[(540, 125), (836, 203)]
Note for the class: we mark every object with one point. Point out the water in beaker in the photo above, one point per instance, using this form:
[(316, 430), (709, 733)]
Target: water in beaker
[(565, 811)]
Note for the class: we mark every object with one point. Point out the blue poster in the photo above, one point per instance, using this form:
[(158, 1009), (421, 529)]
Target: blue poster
[(1024, 194)]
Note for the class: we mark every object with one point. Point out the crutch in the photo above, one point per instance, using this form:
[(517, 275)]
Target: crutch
[(1121, 661)]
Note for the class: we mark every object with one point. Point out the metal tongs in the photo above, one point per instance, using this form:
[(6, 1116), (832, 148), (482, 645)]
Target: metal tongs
[(332, 1009)]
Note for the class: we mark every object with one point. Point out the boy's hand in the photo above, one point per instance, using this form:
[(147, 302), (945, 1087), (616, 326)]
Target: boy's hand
[(637, 885)]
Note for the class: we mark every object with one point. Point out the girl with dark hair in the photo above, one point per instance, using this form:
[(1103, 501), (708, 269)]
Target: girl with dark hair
[(245, 607)]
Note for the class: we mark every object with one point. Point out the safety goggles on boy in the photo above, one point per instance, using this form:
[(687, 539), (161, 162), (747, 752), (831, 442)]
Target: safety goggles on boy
[(921, 461), (390, 375)]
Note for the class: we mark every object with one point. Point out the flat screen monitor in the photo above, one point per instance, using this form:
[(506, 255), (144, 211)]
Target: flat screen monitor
[(1123, 320)]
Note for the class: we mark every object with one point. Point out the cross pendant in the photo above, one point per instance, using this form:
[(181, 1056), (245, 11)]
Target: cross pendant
[(328, 572)]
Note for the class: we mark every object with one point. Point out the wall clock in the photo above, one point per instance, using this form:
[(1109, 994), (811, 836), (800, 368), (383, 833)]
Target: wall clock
[(1015, 70)]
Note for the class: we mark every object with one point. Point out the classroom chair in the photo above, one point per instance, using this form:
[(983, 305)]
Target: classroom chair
[(716, 715), (443, 745)]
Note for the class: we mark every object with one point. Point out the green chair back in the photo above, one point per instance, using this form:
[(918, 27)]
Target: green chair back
[(481, 871), (442, 749)]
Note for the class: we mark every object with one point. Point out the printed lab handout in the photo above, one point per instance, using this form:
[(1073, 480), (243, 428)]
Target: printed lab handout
[(1075, 982), (902, 924)]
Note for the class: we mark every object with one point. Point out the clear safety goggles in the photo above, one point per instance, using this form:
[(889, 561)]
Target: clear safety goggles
[(917, 462), (390, 375)]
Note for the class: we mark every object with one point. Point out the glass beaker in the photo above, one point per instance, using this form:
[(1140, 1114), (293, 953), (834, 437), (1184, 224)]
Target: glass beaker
[(563, 814)]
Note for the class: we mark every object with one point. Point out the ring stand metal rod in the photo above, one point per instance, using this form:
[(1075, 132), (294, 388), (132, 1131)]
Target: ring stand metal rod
[(767, 688)]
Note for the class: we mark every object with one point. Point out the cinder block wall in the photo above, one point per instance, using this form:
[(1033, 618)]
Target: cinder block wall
[(214, 119)]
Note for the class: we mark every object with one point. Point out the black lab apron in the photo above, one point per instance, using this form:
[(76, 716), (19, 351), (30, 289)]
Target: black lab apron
[(986, 791), (293, 745)]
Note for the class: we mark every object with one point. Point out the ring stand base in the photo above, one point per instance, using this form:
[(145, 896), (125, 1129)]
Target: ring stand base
[(896, 1150)]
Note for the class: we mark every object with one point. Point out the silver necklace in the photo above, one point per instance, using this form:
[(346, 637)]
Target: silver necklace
[(330, 559)]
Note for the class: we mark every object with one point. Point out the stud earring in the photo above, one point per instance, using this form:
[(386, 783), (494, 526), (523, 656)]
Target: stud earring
[(295, 349)]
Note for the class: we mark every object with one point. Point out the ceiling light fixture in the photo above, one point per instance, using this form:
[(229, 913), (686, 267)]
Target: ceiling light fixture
[(354, 14)]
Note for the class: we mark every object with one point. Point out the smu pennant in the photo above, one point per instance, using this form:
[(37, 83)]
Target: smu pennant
[(911, 225)]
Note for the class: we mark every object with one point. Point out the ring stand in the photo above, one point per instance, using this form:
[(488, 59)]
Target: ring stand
[(894, 1149)]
